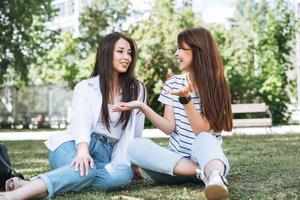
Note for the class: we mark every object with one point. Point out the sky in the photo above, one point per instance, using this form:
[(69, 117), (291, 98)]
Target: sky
[(213, 11)]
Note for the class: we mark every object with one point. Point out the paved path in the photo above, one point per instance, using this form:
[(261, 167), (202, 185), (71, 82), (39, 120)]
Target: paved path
[(154, 133)]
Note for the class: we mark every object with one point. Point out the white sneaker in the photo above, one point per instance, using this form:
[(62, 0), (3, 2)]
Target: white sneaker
[(215, 186)]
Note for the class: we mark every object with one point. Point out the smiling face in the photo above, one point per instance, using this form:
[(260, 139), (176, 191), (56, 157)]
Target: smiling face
[(184, 56), (121, 56)]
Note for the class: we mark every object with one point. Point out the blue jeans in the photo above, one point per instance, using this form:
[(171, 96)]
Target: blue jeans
[(104, 176), (159, 162)]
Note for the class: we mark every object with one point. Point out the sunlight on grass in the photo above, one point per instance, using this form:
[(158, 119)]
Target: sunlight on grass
[(262, 167)]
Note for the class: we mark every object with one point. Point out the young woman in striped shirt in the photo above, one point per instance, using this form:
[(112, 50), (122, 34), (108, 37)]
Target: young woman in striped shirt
[(197, 109)]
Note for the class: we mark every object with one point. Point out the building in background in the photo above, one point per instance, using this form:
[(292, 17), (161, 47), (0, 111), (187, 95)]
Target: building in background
[(296, 60), (67, 18), (297, 50)]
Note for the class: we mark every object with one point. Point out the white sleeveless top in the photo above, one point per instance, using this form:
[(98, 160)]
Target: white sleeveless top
[(115, 130)]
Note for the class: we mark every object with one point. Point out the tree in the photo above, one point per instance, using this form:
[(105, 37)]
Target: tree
[(156, 37), (275, 46), (72, 59), (101, 18), (256, 62), (23, 36), (64, 63)]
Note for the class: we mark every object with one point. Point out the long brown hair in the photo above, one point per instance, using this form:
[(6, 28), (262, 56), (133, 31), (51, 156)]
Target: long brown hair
[(208, 73), (104, 68)]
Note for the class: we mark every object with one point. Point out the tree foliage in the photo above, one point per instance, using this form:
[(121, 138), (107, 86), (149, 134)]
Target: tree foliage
[(101, 18), (23, 36), (72, 59), (64, 63), (257, 52), (156, 37)]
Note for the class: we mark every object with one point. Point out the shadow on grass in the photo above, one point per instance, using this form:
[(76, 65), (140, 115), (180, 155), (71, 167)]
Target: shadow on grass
[(262, 167)]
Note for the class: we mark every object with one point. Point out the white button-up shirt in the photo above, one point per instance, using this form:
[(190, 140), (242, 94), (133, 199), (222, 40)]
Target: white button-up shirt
[(86, 109)]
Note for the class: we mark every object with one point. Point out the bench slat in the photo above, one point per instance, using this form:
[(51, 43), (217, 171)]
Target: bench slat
[(249, 108), (252, 122)]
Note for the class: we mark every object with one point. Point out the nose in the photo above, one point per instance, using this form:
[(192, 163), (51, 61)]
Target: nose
[(177, 52), (127, 56)]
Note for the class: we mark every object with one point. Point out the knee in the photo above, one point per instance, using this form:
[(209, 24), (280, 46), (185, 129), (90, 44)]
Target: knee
[(121, 176), (124, 175), (205, 142), (117, 178), (90, 176), (204, 135), (92, 172), (59, 157), (135, 147), (204, 138)]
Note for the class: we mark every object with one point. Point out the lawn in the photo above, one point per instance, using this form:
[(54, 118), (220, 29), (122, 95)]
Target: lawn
[(262, 167)]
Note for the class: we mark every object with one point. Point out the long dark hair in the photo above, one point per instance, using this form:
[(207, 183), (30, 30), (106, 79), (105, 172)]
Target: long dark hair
[(104, 68), (208, 74)]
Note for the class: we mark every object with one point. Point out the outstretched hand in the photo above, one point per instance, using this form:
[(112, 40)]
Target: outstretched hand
[(124, 106), (183, 92)]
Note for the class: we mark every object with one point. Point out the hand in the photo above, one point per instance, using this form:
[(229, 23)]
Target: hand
[(137, 174), (183, 92), (124, 106), (83, 161)]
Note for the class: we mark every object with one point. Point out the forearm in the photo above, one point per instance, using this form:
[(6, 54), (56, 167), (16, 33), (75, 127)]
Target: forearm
[(158, 121), (197, 121)]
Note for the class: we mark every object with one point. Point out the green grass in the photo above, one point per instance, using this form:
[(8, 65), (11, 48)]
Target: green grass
[(262, 167)]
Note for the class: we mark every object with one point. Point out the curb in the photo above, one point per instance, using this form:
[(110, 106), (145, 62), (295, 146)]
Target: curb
[(153, 133)]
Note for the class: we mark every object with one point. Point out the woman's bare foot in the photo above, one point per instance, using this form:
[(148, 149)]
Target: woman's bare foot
[(14, 183), (3, 196), (137, 174)]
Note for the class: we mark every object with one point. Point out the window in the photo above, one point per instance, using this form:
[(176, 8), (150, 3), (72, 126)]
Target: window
[(69, 29), (298, 10), (66, 8), (70, 5), (61, 9)]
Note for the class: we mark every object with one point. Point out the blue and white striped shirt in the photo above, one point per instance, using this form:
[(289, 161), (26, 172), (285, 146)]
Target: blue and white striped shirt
[(182, 138)]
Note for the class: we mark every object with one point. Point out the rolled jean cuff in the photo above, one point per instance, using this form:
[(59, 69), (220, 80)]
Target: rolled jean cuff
[(223, 160), (207, 147), (173, 164), (48, 184)]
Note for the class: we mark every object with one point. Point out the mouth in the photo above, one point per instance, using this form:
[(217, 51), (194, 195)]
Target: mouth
[(124, 64), (179, 60)]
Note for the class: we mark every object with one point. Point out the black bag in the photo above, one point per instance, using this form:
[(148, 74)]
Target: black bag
[(6, 171)]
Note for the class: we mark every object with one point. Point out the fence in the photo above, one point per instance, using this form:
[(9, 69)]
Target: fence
[(36, 106)]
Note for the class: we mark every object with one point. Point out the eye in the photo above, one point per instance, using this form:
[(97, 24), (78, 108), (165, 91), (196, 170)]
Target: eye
[(119, 51)]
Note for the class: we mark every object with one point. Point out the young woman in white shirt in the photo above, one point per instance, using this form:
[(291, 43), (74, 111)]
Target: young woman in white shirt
[(92, 153), (197, 109)]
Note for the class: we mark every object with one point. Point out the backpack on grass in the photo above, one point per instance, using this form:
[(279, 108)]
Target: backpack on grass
[(6, 170)]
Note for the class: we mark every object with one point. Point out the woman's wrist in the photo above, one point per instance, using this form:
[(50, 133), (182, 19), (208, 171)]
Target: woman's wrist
[(186, 94), (83, 147), (184, 100), (142, 106)]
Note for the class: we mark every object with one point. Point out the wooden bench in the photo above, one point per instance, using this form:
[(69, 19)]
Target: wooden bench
[(252, 108)]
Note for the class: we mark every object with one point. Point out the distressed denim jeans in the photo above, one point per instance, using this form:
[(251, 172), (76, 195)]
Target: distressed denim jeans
[(63, 178), (159, 162)]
